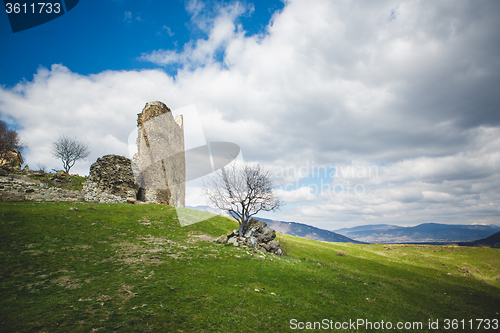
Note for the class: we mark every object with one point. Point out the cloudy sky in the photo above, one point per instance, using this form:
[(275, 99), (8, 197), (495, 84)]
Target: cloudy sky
[(366, 112)]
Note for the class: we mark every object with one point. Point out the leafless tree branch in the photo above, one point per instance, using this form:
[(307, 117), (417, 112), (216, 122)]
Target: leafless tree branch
[(69, 150), (243, 191)]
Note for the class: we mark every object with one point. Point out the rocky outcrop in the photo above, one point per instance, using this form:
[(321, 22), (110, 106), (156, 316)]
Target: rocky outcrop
[(110, 180), (257, 235), (12, 161), (159, 165)]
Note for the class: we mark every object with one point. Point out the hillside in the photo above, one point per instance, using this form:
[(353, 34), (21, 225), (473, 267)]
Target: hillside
[(423, 233), (492, 241), (307, 231), (291, 228), (209, 209), (83, 267)]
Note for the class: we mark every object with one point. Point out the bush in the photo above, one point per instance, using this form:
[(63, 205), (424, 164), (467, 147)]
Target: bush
[(9, 140)]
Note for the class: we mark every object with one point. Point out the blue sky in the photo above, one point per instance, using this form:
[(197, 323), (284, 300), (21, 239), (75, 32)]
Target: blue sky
[(399, 97), (111, 36)]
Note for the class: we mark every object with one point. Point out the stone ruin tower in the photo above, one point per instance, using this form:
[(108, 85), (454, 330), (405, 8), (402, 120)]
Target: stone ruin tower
[(159, 166)]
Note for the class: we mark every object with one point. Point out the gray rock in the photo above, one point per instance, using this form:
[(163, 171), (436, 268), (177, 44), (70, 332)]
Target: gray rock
[(258, 236), (250, 232), (266, 246), (266, 235), (252, 241), (274, 244), (253, 223), (222, 239)]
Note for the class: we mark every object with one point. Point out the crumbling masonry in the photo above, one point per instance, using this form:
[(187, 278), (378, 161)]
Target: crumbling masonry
[(159, 166), (157, 172)]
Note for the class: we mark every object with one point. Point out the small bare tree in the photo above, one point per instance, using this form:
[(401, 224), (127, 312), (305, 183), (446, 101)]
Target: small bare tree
[(9, 140), (242, 191), (41, 167), (69, 151)]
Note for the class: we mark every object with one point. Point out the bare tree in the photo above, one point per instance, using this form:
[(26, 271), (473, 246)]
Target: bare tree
[(41, 167), (69, 151), (9, 140), (243, 191)]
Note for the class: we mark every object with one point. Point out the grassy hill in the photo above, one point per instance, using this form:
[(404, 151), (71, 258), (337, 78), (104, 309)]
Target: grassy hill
[(132, 268), (492, 241)]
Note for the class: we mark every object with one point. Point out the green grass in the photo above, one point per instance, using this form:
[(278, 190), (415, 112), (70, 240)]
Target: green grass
[(71, 182), (132, 268)]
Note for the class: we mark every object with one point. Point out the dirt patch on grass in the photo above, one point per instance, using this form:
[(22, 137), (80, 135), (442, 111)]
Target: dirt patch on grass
[(200, 236), (125, 292), (82, 247), (144, 222), (154, 250), (30, 285), (126, 248), (33, 252), (154, 240), (67, 282), (131, 253), (179, 255)]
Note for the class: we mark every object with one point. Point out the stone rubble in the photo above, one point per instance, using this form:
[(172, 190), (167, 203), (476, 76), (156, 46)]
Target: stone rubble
[(257, 235), (22, 188), (110, 180)]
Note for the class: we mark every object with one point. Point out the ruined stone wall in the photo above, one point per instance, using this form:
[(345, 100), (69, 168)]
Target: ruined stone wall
[(22, 188), (159, 165), (157, 172), (110, 180)]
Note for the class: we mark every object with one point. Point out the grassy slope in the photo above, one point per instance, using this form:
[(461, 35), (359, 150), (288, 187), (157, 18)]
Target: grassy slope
[(133, 268)]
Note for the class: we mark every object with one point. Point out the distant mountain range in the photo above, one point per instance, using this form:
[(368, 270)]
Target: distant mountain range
[(429, 233), (492, 241), (291, 228), (307, 231), (423, 233)]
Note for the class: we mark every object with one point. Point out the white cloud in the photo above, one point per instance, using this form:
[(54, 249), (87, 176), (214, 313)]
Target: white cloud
[(296, 195), (222, 30), (99, 109), (404, 87), (128, 16), (167, 30)]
